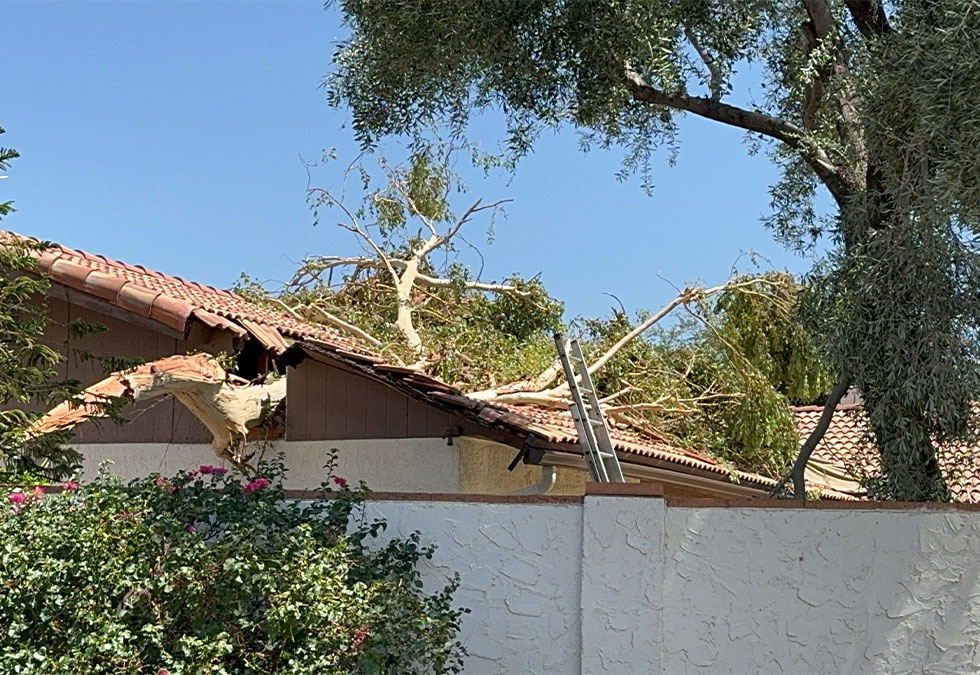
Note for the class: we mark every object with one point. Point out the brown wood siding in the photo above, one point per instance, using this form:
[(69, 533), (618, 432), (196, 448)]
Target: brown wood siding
[(160, 420), (331, 403)]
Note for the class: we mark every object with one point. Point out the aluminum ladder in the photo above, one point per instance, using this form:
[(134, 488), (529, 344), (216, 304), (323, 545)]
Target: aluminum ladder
[(593, 432)]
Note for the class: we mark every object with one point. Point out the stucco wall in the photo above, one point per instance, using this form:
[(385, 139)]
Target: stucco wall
[(821, 591), (519, 577), (614, 584), (390, 465), (483, 470)]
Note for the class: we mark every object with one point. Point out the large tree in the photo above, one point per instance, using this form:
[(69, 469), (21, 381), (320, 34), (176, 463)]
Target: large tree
[(870, 101), (717, 377)]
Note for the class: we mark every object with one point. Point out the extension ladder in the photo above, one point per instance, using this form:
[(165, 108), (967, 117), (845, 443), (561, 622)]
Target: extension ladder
[(593, 432)]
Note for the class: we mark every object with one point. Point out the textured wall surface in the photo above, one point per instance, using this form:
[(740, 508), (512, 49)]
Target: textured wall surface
[(821, 591), (521, 577), (389, 465), (622, 577), (483, 470)]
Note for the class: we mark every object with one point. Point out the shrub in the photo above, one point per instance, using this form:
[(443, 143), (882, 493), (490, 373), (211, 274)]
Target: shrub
[(205, 573)]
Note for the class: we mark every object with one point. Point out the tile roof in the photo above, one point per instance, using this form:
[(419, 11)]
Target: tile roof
[(844, 455), (554, 426), (176, 302)]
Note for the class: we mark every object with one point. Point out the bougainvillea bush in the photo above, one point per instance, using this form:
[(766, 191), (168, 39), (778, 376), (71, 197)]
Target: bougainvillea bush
[(209, 573)]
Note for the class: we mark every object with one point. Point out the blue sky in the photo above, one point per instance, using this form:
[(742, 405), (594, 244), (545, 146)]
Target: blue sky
[(170, 135)]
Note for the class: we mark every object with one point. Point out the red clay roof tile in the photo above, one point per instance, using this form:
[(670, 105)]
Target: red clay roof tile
[(845, 455), (167, 299)]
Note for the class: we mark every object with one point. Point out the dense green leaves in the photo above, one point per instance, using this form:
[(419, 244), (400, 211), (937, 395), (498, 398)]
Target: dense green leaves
[(872, 100), (204, 574)]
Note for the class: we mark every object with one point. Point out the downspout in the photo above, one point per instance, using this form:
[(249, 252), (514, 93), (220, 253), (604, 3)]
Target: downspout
[(549, 476)]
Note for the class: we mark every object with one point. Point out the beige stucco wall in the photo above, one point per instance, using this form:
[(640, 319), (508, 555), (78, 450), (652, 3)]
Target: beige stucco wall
[(483, 470), (396, 465)]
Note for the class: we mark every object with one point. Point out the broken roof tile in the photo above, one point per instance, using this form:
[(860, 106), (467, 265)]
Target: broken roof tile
[(158, 296)]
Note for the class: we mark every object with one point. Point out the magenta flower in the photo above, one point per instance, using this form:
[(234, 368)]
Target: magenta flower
[(191, 475), (360, 636), (191, 529), (16, 498), (38, 492), (163, 671), (209, 470), (69, 486), (256, 484), (342, 482)]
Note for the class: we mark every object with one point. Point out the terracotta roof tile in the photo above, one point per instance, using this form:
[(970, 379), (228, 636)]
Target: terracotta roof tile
[(845, 454), (175, 302)]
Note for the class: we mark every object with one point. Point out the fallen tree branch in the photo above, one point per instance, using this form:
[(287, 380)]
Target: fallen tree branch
[(228, 409)]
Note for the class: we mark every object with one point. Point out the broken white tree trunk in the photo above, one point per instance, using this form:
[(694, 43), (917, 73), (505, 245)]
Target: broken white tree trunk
[(229, 409)]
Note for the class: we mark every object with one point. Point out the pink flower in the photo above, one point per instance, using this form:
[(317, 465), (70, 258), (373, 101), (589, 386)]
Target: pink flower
[(256, 484), (16, 498), (69, 486), (209, 470), (171, 489), (342, 482), (38, 492), (163, 671), (191, 529), (123, 515), (160, 481), (360, 636)]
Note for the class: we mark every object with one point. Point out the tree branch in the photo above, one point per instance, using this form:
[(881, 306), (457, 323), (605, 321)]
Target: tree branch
[(716, 75), (869, 17), (226, 408), (798, 472), (840, 185)]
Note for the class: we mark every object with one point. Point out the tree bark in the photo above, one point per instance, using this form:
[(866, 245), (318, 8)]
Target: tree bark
[(799, 466), (228, 409)]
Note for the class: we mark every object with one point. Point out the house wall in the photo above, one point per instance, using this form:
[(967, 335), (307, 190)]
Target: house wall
[(329, 402), (632, 584), (483, 470), (391, 465), (159, 420)]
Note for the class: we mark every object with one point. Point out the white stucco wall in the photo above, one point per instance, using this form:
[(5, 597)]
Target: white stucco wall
[(629, 585), (622, 573), (520, 573), (821, 591), (386, 465)]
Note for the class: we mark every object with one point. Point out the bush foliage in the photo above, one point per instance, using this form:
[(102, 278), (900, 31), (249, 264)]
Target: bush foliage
[(205, 573)]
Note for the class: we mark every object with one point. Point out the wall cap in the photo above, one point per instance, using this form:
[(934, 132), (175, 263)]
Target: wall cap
[(593, 489)]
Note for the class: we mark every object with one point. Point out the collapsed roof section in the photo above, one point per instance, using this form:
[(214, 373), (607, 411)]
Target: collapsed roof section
[(176, 304)]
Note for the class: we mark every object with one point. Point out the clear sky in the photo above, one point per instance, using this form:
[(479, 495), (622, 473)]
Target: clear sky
[(170, 135)]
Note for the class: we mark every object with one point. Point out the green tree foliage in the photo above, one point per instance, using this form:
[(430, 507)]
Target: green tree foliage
[(724, 380), (469, 335), (869, 100), (27, 364), (720, 382), (202, 573)]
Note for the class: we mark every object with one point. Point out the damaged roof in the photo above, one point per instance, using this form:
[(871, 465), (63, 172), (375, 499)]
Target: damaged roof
[(176, 303)]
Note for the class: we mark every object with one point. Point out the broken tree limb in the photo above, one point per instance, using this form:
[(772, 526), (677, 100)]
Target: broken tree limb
[(228, 409)]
